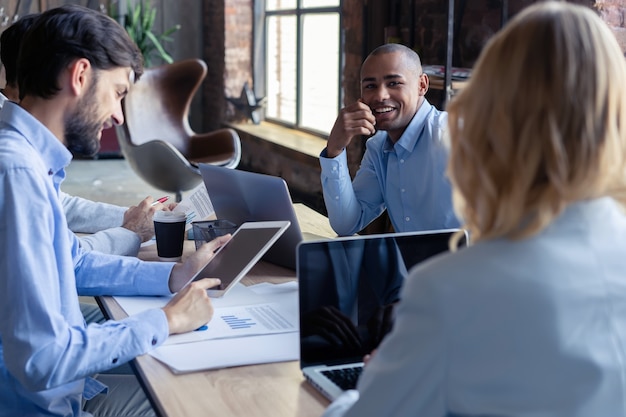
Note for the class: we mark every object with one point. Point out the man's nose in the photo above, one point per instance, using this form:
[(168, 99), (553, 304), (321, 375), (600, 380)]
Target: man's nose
[(381, 93), (118, 116)]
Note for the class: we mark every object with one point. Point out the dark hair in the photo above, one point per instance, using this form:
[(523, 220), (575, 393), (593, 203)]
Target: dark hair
[(10, 42), (63, 34)]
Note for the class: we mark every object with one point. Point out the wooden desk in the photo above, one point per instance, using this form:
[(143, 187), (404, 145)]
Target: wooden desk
[(276, 389)]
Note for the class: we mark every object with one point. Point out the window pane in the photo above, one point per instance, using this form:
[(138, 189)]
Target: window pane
[(281, 4), (320, 3), (320, 68), (281, 68)]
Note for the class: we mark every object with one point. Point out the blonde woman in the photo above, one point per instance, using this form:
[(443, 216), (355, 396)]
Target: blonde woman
[(531, 319)]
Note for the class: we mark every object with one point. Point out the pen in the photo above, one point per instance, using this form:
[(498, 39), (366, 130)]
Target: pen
[(161, 200)]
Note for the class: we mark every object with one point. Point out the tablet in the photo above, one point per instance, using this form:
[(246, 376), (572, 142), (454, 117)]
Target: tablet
[(232, 261)]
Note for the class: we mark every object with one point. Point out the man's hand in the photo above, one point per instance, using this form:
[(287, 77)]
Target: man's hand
[(183, 272), (139, 218), (191, 307), (353, 120)]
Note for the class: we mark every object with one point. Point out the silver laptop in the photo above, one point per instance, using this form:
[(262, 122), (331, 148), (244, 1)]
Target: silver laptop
[(242, 196), (347, 288)]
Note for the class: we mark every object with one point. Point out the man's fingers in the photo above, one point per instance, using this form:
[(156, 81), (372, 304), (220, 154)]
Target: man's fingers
[(358, 114), (361, 122), (146, 201), (216, 243), (206, 283)]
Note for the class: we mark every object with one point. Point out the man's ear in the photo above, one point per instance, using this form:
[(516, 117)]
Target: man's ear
[(423, 84), (80, 73)]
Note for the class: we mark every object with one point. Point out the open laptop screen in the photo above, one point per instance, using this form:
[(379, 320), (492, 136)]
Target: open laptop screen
[(348, 287), (241, 196)]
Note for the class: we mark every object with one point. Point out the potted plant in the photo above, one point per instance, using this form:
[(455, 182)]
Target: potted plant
[(139, 23)]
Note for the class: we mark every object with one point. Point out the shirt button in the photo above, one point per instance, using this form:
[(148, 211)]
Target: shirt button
[(336, 197), (403, 190), (402, 161), (407, 218), (50, 172), (114, 360), (154, 341)]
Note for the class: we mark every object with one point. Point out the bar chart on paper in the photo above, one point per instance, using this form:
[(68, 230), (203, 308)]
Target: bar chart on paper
[(235, 322), (240, 321), (253, 319)]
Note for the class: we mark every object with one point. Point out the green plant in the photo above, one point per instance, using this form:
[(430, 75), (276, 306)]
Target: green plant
[(139, 23)]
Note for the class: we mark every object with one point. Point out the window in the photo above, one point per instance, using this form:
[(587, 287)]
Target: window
[(302, 62)]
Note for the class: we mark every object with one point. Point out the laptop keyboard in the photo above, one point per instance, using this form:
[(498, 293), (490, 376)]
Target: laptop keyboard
[(345, 378)]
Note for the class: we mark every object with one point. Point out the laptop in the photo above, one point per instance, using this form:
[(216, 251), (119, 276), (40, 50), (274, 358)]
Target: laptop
[(347, 288), (242, 196)]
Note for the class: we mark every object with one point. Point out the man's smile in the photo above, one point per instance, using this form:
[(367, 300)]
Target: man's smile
[(382, 110)]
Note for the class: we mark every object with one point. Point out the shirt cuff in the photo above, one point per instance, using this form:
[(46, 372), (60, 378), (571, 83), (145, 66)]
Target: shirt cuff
[(150, 329), (334, 168)]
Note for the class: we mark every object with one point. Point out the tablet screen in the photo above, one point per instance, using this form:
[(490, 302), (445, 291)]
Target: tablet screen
[(242, 249)]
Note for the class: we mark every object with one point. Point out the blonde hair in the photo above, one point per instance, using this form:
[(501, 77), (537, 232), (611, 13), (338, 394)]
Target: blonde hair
[(540, 124)]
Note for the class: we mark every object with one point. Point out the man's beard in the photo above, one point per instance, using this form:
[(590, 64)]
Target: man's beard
[(82, 128)]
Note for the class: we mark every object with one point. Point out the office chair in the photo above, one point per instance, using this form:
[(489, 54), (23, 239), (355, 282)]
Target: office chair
[(156, 138)]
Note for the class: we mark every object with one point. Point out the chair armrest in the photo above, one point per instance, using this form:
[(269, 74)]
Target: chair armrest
[(157, 150), (219, 147)]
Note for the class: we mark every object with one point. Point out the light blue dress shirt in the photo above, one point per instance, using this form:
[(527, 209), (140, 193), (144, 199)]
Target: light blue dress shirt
[(525, 328), (102, 221), (46, 350), (408, 179)]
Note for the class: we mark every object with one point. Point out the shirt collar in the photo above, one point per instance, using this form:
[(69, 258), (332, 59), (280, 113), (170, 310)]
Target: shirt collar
[(53, 153), (413, 131)]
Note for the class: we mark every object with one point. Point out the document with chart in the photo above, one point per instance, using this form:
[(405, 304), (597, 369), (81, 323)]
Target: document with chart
[(250, 320), (244, 313), (264, 316)]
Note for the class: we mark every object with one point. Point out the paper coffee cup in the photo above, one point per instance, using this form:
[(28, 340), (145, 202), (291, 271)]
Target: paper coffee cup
[(169, 229)]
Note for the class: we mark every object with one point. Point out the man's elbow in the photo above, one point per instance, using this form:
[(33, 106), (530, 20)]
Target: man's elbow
[(34, 378), (341, 229)]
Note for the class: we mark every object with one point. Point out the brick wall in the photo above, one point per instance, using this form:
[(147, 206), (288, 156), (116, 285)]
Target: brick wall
[(213, 52), (238, 69), (354, 52)]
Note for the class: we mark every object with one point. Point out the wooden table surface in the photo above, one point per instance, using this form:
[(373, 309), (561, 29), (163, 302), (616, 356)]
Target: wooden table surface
[(275, 389)]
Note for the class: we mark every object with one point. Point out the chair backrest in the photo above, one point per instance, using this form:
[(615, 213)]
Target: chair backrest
[(157, 106), (159, 164)]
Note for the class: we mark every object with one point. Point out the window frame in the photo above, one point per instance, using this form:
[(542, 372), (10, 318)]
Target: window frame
[(259, 56)]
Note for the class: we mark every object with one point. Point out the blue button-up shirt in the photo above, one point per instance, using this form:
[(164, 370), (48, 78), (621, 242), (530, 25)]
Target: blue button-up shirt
[(46, 350), (406, 178)]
